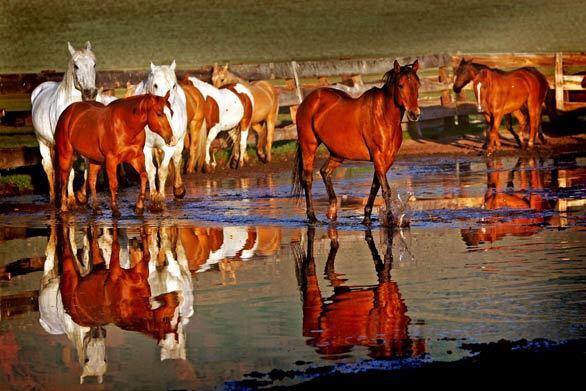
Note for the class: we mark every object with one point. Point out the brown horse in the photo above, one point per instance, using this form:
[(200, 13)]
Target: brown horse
[(196, 111), (367, 128), (266, 107), (110, 135), (371, 316), (521, 92), (115, 295)]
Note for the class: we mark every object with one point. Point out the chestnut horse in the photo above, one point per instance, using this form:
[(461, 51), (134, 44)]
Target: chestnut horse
[(266, 107), (367, 128), (501, 93), (110, 135), (197, 132), (115, 295), (371, 316)]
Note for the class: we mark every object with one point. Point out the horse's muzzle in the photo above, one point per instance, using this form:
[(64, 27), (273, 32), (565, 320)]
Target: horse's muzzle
[(457, 89), (172, 142), (413, 116), (89, 94)]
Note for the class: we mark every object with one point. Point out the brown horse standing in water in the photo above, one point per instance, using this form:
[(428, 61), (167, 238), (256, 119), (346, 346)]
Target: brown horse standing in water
[(505, 93), (264, 113), (197, 132), (367, 128), (110, 135)]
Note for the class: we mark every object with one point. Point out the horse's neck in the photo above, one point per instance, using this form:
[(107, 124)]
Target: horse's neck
[(391, 110), (237, 79)]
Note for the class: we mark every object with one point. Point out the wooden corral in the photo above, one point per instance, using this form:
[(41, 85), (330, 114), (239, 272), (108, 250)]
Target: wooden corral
[(297, 79)]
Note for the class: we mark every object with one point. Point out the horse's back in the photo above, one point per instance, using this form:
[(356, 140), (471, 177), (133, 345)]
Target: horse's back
[(42, 99)]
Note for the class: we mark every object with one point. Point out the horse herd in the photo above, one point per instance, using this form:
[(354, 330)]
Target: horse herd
[(161, 116)]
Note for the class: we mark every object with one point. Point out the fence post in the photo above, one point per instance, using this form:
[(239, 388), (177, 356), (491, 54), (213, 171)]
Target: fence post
[(559, 82), (446, 97)]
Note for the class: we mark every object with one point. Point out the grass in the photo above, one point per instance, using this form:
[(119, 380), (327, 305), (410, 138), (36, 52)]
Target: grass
[(22, 182), (128, 34)]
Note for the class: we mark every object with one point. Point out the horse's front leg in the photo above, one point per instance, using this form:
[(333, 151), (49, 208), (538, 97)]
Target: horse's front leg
[(326, 173), (81, 194), (495, 142), (380, 169), (261, 144), (213, 133), (138, 163), (164, 170), (93, 171), (178, 186), (151, 172), (111, 169), (243, 144), (370, 202)]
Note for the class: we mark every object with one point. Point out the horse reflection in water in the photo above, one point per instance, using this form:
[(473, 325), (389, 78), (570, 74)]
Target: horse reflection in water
[(100, 284), (500, 194), (371, 316), (227, 248)]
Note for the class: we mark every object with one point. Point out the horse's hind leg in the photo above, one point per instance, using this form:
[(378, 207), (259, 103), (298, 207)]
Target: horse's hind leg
[(47, 161), (534, 121), (93, 171), (243, 143), (70, 194), (521, 119), (380, 169), (111, 169), (261, 145), (326, 173), (308, 157)]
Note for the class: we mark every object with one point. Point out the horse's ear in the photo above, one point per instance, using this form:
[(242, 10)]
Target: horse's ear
[(153, 66), (415, 65), (215, 66), (397, 66), (226, 67), (173, 65), (88, 45), (71, 48)]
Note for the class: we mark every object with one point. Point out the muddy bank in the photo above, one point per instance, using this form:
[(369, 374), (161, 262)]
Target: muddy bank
[(519, 363)]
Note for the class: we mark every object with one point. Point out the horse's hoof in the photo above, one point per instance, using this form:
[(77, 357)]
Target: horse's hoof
[(311, 218), (116, 213), (263, 158), (207, 168), (179, 192), (81, 197), (234, 164), (332, 214), (366, 221), (156, 206), (139, 211), (97, 210)]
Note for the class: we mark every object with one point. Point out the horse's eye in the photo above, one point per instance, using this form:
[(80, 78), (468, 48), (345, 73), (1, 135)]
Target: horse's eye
[(160, 114), (156, 86), (87, 360), (94, 65), (401, 86), (175, 85), (75, 67)]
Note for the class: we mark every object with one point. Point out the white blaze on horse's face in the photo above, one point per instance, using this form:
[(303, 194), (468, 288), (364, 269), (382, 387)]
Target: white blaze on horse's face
[(479, 105), (83, 67), (162, 79)]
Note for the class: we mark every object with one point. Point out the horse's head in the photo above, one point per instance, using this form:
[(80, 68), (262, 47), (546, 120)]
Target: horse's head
[(221, 76), (156, 118), (162, 80), (404, 82), (82, 68), (464, 74), (93, 360)]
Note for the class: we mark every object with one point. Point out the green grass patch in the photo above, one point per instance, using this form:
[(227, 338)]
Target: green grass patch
[(18, 140), (21, 181)]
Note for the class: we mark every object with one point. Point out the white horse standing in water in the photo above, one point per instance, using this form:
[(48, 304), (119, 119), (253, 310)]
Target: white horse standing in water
[(50, 98), (160, 80), (230, 107)]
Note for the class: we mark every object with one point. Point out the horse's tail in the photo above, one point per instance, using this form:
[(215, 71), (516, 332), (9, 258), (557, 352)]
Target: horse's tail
[(296, 174), (199, 139)]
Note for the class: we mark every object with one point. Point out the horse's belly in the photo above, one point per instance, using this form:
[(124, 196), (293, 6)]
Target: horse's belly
[(344, 143)]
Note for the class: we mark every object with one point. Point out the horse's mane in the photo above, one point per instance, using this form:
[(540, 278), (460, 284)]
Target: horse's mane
[(390, 77)]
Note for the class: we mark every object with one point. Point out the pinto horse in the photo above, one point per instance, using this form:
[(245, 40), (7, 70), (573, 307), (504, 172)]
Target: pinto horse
[(371, 316), (266, 107), (228, 108), (367, 128), (110, 135), (501, 93)]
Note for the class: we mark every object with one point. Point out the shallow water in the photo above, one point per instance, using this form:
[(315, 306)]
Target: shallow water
[(236, 284)]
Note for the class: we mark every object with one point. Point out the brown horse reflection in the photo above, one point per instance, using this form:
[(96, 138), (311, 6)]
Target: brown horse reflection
[(500, 194), (115, 295), (373, 316)]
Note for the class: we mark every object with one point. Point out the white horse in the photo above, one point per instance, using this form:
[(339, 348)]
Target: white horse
[(160, 80), (169, 272), (88, 342), (50, 98), (233, 111)]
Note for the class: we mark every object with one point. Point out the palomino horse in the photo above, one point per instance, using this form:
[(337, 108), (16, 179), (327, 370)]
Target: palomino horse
[(266, 107), (371, 316), (196, 111), (118, 135), (367, 128), (50, 98), (161, 81), (502, 93), (227, 108)]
